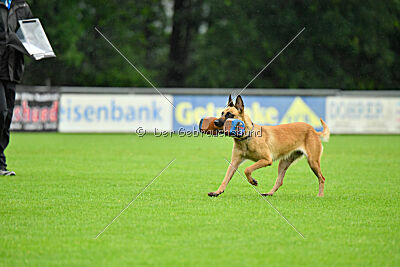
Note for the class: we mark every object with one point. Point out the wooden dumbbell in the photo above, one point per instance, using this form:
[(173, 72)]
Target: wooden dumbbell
[(207, 126), (234, 128)]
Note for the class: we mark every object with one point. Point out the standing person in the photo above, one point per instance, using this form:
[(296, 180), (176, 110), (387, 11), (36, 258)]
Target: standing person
[(11, 69)]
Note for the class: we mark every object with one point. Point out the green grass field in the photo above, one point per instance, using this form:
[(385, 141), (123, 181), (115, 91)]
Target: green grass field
[(70, 186)]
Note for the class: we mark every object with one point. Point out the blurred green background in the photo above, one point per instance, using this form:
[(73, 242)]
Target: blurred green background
[(191, 43)]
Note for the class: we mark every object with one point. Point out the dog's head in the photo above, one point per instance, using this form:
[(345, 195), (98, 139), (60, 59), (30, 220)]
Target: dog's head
[(232, 111)]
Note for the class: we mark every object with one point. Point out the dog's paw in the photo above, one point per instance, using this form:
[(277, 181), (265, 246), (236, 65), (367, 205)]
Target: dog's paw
[(254, 182), (213, 194), (267, 194)]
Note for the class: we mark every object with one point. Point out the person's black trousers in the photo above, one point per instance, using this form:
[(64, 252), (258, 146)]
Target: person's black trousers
[(7, 99)]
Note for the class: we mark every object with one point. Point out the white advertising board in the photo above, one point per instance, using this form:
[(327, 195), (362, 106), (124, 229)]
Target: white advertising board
[(114, 113), (363, 115)]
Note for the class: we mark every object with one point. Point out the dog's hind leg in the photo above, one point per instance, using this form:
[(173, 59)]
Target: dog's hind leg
[(316, 168), (259, 164), (284, 164), (314, 157)]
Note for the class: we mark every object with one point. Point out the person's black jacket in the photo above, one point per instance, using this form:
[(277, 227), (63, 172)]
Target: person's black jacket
[(11, 60)]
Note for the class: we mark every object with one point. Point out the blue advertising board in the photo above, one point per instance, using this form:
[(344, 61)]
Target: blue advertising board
[(263, 110)]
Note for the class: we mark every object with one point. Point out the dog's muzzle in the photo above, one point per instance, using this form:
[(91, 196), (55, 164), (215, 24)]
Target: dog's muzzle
[(219, 122)]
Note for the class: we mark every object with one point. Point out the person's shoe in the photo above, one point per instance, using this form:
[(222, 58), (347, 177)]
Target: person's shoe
[(5, 172)]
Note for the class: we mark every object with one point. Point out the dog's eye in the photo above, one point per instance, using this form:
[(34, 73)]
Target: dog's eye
[(222, 113)]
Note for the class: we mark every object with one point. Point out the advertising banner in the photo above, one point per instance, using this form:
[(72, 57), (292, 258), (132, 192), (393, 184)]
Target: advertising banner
[(363, 115), (114, 113), (263, 110), (35, 112)]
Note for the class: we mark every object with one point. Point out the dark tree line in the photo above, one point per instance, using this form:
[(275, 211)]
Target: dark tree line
[(192, 43)]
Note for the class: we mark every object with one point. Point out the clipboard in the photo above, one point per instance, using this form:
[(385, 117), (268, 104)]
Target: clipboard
[(34, 39)]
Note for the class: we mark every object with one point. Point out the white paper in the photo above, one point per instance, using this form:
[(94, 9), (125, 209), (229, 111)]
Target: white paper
[(34, 39)]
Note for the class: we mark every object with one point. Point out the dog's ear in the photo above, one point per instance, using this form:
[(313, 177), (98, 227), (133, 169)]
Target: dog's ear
[(239, 104), (230, 102)]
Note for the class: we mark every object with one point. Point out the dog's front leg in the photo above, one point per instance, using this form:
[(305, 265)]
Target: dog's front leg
[(236, 161), (259, 164)]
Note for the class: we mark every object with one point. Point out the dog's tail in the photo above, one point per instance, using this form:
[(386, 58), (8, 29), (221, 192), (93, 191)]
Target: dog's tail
[(325, 134)]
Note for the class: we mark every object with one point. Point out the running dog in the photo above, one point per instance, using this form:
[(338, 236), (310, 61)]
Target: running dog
[(265, 144)]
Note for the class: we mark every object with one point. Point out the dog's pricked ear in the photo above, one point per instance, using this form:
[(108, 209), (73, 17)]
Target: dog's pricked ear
[(230, 102), (239, 104)]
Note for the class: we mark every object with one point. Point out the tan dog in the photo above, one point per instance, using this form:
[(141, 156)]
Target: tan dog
[(265, 144)]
